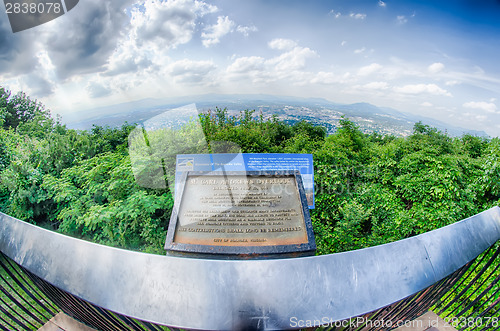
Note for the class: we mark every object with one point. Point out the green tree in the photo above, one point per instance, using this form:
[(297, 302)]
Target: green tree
[(370, 189), (23, 176), (20, 109), (491, 173), (99, 199), (473, 145)]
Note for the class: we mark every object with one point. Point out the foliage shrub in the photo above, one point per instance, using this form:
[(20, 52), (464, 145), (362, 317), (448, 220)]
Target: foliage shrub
[(370, 189)]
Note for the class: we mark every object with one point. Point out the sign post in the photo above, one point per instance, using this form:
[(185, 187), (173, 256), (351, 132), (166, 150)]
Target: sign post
[(241, 214)]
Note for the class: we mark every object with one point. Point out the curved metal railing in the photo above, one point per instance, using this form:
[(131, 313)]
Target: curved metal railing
[(128, 289)]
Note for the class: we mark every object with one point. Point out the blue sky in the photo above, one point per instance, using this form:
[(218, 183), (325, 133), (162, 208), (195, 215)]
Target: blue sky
[(433, 58)]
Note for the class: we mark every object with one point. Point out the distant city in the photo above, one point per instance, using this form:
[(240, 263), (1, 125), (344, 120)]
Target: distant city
[(318, 111)]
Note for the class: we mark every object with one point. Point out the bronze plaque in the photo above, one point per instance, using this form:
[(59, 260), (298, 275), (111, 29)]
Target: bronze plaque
[(222, 212)]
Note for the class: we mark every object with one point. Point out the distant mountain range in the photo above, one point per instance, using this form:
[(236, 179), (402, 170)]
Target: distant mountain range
[(319, 111)]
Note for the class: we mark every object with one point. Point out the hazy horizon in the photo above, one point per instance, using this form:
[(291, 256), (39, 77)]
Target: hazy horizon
[(428, 58)]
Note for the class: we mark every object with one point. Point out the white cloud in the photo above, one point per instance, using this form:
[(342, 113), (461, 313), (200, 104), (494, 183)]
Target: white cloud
[(98, 90), (126, 50), (127, 58), (452, 83), (67, 48), (34, 85), (376, 86), (212, 34), (486, 106), (334, 13), (289, 64), (435, 67), (166, 24), (247, 64), (81, 44), (328, 78), (155, 27), (478, 78), (360, 50), (358, 16), (401, 19), (282, 44), (292, 60), (11, 46), (189, 71), (369, 69), (245, 30), (422, 88)]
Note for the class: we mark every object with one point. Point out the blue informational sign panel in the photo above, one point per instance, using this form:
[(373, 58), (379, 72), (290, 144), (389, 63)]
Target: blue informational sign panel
[(250, 162)]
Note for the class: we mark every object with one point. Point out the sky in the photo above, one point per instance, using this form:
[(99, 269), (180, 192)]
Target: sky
[(432, 58)]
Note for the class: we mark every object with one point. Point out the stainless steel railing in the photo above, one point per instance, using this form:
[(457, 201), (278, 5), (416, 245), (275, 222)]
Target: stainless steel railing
[(114, 289)]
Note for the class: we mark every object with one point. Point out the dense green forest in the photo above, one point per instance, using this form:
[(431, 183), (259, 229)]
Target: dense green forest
[(370, 189)]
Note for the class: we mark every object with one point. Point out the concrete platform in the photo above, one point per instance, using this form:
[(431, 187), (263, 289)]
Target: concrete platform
[(62, 322), (427, 322)]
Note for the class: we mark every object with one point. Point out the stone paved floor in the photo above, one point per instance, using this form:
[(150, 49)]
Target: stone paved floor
[(62, 322), (427, 322)]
